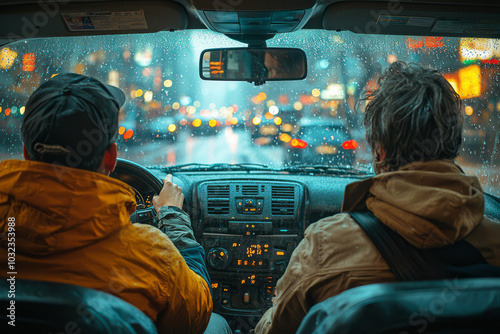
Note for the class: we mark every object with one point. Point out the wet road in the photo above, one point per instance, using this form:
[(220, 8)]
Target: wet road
[(228, 146)]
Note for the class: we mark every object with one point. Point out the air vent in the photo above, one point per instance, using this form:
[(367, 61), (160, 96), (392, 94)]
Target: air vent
[(285, 192), (250, 190), (218, 200), (283, 201)]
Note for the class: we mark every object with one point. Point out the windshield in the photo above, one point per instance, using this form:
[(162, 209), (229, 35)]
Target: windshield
[(172, 117)]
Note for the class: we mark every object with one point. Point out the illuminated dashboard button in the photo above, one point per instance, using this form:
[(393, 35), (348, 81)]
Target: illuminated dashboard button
[(246, 298)]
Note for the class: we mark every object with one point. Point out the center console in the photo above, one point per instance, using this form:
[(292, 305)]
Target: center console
[(249, 230)]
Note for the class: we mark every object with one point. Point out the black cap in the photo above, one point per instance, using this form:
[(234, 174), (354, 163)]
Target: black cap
[(70, 119)]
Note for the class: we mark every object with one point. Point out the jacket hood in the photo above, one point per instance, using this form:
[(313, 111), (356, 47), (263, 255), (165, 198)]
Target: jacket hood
[(431, 204), (58, 209)]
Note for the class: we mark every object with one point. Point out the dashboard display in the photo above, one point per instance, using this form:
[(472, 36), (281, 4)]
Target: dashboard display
[(254, 251), (143, 200)]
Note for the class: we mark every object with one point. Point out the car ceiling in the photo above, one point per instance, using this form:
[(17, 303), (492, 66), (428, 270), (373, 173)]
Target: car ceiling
[(250, 20)]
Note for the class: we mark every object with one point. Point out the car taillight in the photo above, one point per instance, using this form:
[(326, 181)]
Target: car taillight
[(349, 144), (298, 143)]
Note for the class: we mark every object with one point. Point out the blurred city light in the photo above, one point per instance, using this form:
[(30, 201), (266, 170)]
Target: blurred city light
[(349, 145), (287, 127), (144, 58), (323, 64), (273, 110), (148, 96), (114, 78), (256, 120), (29, 62), (285, 137), (7, 58), (197, 122), (128, 134), (470, 81), (468, 110), (298, 143)]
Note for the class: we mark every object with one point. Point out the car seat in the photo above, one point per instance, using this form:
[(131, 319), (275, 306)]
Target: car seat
[(450, 306), (47, 307)]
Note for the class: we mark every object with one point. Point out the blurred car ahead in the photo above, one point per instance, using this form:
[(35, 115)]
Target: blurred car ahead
[(321, 141), (164, 128), (204, 126)]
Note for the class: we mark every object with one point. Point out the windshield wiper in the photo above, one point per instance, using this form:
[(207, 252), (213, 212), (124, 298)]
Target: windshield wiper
[(196, 167), (300, 169), (322, 169)]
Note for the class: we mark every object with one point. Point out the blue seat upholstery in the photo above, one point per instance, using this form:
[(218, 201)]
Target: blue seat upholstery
[(47, 307), (444, 306)]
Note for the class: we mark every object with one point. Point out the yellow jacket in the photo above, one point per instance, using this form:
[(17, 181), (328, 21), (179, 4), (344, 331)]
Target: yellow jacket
[(430, 204), (73, 226)]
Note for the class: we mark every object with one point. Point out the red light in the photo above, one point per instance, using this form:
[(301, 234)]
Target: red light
[(298, 143), (491, 61), (349, 144), (128, 134)]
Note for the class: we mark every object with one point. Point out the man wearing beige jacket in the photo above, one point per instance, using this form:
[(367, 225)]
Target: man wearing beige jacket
[(414, 127)]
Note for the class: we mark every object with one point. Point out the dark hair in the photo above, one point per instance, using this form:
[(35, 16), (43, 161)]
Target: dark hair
[(413, 115)]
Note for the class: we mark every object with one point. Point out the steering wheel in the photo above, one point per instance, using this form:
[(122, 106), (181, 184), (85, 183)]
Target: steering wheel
[(138, 177)]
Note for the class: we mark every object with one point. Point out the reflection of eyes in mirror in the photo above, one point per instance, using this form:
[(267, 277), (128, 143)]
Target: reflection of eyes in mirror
[(281, 65)]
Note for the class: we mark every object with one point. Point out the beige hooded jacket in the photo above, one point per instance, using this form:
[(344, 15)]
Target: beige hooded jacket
[(431, 204)]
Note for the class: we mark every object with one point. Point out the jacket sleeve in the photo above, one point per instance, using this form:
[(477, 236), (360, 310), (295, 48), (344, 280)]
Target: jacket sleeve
[(186, 298), (175, 223)]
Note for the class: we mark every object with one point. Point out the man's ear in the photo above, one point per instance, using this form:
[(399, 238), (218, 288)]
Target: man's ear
[(381, 154), (109, 158), (25, 153)]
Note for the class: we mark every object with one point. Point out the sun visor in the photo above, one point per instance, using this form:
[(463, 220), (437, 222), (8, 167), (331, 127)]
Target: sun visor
[(52, 19), (421, 19)]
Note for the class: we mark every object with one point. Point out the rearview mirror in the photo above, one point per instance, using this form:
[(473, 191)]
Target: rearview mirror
[(256, 65)]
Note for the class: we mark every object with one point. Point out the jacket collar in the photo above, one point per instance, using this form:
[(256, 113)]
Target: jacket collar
[(59, 208), (431, 203)]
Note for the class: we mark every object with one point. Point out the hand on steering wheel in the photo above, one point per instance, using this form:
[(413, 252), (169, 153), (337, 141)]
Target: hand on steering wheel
[(170, 195)]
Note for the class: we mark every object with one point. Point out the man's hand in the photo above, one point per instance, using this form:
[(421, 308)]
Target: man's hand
[(170, 195)]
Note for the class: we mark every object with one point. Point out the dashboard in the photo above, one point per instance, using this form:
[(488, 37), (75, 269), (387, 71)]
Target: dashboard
[(249, 223)]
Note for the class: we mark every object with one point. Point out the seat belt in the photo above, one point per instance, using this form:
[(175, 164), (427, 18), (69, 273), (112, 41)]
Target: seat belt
[(409, 263)]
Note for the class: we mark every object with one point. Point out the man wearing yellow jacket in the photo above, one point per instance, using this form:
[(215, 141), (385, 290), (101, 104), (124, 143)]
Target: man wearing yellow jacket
[(73, 220), (414, 127)]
